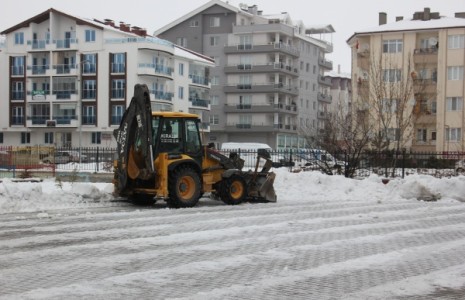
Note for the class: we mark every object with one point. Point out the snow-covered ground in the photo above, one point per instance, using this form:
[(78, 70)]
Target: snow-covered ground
[(327, 237), (290, 187)]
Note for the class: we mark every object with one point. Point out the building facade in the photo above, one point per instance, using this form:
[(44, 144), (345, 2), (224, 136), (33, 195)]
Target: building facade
[(67, 81), (429, 50), (268, 81)]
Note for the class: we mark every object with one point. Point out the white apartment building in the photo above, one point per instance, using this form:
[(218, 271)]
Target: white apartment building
[(430, 49), (66, 81)]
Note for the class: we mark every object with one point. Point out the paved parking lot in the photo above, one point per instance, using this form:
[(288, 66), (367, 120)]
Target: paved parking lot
[(295, 250)]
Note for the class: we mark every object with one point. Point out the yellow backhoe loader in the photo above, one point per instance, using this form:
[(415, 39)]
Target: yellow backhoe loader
[(160, 156)]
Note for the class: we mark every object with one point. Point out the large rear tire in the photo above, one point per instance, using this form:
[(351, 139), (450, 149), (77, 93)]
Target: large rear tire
[(184, 188), (233, 190)]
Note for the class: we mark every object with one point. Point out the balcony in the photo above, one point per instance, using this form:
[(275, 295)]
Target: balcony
[(200, 80), (425, 55), (272, 28), (324, 80), (38, 70), (199, 103), (266, 128), (262, 68), (261, 88), (71, 121), (65, 69), (323, 115), (150, 70), (326, 64), (260, 108), (38, 95), (38, 44), (161, 95), (17, 120), (324, 97), (262, 48), (37, 120), (89, 120), (68, 44), (71, 95)]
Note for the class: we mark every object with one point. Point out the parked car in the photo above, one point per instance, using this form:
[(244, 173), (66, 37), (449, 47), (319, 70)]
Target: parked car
[(59, 157), (74, 156)]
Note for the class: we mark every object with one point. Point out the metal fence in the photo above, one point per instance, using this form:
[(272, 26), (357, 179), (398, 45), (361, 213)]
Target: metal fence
[(46, 161)]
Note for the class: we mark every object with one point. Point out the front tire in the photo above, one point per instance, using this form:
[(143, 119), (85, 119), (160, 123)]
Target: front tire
[(233, 190), (184, 188)]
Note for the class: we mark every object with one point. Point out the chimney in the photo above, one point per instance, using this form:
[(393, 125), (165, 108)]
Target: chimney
[(399, 18), (109, 22), (426, 14), (259, 12), (124, 27), (139, 31), (460, 15), (252, 9), (382, 18)]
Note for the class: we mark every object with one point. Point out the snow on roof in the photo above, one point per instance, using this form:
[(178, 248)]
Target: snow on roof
[(338, 75), (410, 25)]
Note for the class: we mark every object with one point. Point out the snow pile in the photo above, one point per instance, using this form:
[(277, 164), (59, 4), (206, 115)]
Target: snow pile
[(289, 187)]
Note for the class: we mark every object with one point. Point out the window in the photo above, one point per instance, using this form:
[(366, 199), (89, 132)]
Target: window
[(17, 115), (245, 62), (194, 23), (245, 121), (314, 105), (456, 41), (19, 38), (118, 87), (454, 103), (214, 40), (434, 106), (214, 120), (301, 65), (245, 101), (454, 134), (90, 63), (421, 135), (96, 138), (17, 90), (117, 112), (214, 100), (392, 75), (181, 69), (90, 35), (214, 22), (307, 67), (245, 42), (118, 62), (455, 73), (89, 89), (393, 134), (25, 137), (433, 135), (314, 87), (215, 80), (17, 67), (48, 137), (314, 69), (181, 92), (392, 46), (389, 105), (88, 115), (1, 137), (181, 41)]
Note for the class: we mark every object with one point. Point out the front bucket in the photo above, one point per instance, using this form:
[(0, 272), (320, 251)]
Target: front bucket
[(266, 188)]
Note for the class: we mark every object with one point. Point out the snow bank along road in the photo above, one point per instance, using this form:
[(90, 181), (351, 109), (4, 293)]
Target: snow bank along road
[(285, 250)]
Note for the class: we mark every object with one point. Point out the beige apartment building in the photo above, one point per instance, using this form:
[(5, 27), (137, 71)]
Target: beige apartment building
[(426, 55)]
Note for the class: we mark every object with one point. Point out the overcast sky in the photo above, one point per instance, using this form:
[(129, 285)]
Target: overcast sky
[(345, 16)]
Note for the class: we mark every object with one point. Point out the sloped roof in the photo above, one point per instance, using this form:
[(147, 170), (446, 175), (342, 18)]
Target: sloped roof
[(414, 25), (197, 11), (191, 55), (45, 16)]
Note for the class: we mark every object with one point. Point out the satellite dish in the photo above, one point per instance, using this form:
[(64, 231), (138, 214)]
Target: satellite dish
[(433, 41)]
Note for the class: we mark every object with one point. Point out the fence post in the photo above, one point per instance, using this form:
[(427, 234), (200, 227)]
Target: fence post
[(403, 163), (97, 159)]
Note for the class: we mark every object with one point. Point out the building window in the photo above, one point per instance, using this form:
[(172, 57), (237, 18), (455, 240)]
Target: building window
[(245, 42), (17, 115), (48, 137), (17, 90), (181, 41), (90, 35), (215, 80), (17, 67), (181, 69), (88, 115), (214, 22), (96, 138), (454, 103), (89, 89), (392, 75), (433, 135), (455, 73), (314, 69), (214, 120), (214, 40), (181, 92), (214, 100), (453, 134), (392, 46), (118, 62), (434, 106), (389, 105), (307, 67), (421, 135), (118, 87), (25, 137), (393, 134), (456, 41), (194, 23), (19, 38), (1, 137), (117, 112), (314, 87)]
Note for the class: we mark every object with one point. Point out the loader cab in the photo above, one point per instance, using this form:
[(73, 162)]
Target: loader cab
[(176, 133)]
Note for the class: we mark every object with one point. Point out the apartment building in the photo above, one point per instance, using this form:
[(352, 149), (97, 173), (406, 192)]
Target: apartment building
[(268, 81), (67, 81), (340, 94), (429, 49)]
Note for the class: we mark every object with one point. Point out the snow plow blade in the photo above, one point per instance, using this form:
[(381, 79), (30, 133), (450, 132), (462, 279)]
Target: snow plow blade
[(266, 188)]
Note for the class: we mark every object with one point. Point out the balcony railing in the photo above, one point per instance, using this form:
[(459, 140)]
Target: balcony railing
[(39, 119), (199, 79), (64, 120), (199, 102), (161, 95), (64, 68), (64, 94), (116, 120), (89, 68), (117, 94), (17, 70), (38, 69), (18, 95), (65, 44), (89, 94), (17, 120), (118, 67), (89, 120), (432, 50), (38, 44)]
